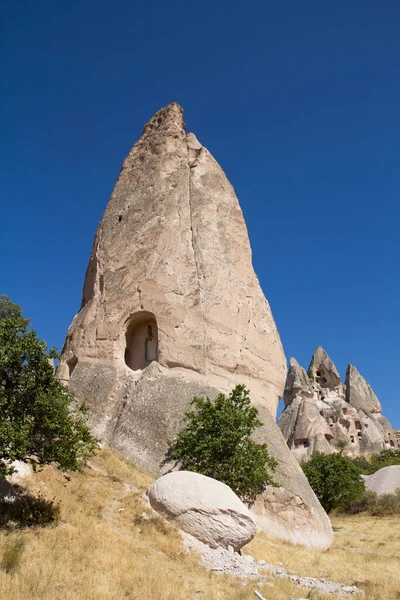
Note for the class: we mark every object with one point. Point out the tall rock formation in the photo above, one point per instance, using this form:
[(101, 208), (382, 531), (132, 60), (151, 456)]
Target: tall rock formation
[(359, 393), (322, 370), (172, 308), (320, 412)]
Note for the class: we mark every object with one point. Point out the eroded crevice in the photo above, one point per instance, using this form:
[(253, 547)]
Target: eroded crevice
[(192, 163), (94, 281), (244, 337)]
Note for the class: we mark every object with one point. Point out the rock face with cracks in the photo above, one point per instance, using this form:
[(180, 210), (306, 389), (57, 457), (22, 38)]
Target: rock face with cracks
[(171, 308), (203, 507), (320, 412)]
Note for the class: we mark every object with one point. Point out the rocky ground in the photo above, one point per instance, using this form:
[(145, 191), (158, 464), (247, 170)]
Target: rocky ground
[(229, 562)]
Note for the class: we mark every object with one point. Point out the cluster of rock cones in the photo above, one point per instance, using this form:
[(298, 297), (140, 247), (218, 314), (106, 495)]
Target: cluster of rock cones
[(322, 414)]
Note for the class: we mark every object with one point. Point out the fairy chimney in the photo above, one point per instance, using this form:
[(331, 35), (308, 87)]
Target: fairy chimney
[(172, 308)]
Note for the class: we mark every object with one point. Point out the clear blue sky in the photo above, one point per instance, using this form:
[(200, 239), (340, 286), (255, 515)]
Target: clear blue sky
[(298, 101)]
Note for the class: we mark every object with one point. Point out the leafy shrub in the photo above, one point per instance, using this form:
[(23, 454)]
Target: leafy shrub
[(40, 422), (12, 555), (374, 504), (28, 511), (334, 478), (385, 458), (384, 504), (362, 464), (216, 441)]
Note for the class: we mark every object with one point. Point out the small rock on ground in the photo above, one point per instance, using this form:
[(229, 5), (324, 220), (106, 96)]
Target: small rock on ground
[(229, 562)]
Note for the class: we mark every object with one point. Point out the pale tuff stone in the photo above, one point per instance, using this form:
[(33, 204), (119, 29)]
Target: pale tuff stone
[(203, 507), (172, 308), (359, 393), (322, 369), (297, 381), (317, 420), (384, 481)]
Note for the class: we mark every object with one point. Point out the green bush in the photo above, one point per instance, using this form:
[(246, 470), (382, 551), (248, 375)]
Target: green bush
[(363, 465), (12, 555), (39, 421), (334, 478), (216, 441), (385, 458), (28, 511), (374, 504)]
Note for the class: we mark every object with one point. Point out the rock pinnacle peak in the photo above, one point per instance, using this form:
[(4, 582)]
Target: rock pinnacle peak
[(172, 309), (359, 393), (322, 369), (167, 117)]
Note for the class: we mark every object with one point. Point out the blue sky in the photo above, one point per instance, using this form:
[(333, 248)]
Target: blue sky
[(298, 101)]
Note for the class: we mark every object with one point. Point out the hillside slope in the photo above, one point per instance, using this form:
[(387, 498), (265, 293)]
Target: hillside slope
[(108, 546)]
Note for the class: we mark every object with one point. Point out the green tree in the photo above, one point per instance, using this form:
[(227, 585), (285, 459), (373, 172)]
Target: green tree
[(40, 423), (386, 458), (216, 441), (341, 445), (334, 478)]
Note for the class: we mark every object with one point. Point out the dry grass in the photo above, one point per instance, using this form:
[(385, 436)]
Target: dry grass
[(108, 546), (366, 553)]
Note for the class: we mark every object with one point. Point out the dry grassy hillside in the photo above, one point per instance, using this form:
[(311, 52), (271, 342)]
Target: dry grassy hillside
[(107, 546)]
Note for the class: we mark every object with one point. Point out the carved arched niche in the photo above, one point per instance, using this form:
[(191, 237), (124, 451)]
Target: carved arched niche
[(141, 341)]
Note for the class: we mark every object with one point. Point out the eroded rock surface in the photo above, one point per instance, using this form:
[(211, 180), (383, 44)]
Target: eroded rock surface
[(320, 412), (172, 308), (359, 393)]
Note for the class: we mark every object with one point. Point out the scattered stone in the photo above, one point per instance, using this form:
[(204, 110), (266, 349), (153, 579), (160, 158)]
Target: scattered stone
[(220, 560), (203, 507)]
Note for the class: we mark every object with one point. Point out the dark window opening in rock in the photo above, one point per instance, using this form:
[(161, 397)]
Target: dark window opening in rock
[(329, 437), (352, 439), (301, 443), (323, 380), (119, 218), (318, 373), (357, 424), (151, 345), (72, 362), (359, 435), (141, 341), (392, 443), (366, 425), (330, 424), (344, 423), (321, 412), (345, 411)]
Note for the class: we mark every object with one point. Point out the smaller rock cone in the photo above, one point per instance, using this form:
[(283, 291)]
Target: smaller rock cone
[(359, 393), (322, 369)]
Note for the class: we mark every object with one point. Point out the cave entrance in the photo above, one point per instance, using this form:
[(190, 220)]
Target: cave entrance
[(72, 362), (141, 339)]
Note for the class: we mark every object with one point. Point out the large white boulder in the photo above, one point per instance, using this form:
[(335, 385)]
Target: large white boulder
[(203, 507), (384, 481)]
